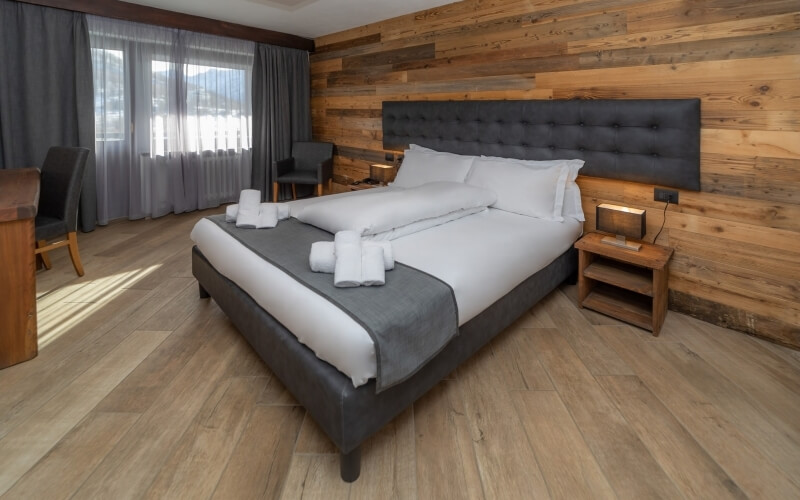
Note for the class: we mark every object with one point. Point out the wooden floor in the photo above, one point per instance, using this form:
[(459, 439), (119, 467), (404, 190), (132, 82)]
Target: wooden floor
[(141, 389)]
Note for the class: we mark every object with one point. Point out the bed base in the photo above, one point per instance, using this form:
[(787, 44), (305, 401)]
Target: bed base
[(350, 415)]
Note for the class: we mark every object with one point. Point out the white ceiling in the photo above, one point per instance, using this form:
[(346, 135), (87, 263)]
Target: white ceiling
[(307, 18)]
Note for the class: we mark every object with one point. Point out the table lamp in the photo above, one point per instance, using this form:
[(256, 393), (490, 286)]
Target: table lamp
[(624, 222), (382, 173)]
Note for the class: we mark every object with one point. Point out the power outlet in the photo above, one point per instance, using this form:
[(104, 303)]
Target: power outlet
[(666, 195)]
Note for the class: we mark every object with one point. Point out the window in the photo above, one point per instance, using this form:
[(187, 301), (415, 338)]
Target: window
[(109, 96), (215, 98)]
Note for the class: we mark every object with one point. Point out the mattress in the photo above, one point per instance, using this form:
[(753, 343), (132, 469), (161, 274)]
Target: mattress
[(481, 256)]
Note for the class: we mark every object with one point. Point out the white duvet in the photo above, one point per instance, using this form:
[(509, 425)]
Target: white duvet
[(393, 213)]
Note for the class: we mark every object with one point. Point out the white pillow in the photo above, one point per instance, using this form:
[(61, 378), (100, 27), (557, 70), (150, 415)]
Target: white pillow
[(421, 167), (574, 165), (573, 207), (521, 189)]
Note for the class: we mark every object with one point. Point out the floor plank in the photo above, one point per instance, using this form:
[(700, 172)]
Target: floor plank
[(714, 429), (506, 463), (133, 464), (70, 462), (687, 463), (626, 462), (31, 440), (567, 464), (445, 460), (260, 463)]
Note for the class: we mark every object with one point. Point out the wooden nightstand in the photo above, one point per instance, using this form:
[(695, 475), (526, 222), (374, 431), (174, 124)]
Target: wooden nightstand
[(627, 285)]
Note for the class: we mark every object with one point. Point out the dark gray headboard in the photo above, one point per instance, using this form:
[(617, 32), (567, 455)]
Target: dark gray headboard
[(653, 141)]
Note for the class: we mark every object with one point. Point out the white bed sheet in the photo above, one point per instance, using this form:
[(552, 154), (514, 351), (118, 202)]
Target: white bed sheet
[(481, 256)]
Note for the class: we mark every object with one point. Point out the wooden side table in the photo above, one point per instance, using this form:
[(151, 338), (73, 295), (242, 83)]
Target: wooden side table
[(628, 285), (19, 199)]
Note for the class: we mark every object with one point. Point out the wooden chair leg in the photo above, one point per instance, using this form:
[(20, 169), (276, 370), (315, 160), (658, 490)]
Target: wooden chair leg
[(319, 189), (274, 191), (73, 252), (294, 192), (43, 256)]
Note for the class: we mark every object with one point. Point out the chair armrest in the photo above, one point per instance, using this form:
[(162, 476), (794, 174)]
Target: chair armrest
[(324, 170), (281, 167)]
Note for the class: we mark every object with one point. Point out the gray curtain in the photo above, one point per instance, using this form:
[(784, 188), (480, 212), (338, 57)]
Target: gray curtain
[(46, 96), (281, 108)]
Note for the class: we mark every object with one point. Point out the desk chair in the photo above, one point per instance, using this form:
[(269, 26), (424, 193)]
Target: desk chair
[(310, 163), (62, 177)]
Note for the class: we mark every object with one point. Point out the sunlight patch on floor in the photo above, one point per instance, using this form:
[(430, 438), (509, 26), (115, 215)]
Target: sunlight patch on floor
[(59, 318)]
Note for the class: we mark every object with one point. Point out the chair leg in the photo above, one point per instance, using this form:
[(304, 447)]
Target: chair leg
[(294, 192), (274, 191), (319, 189), (73, 252), (45, 258)]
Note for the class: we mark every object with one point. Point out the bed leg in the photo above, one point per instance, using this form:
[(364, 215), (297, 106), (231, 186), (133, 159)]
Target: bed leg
[(203, 293), (350, 465)]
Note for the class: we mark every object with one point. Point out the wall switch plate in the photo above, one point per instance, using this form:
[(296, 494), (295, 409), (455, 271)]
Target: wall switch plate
[(666, 195)]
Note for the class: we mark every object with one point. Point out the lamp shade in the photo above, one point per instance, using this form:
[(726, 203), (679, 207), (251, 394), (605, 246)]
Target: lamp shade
[(621, 221), (382, 173)]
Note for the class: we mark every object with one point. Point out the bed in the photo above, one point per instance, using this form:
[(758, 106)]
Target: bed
[(650, 141)]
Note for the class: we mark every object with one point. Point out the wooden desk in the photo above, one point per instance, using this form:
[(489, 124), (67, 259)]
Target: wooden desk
[(19, 199)]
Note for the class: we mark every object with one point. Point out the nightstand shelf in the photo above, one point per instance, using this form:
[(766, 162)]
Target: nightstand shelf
[(625, 284), (635, 279)]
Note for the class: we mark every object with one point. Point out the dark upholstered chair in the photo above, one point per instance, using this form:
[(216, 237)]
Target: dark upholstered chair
[(62, 177), (310, 163)]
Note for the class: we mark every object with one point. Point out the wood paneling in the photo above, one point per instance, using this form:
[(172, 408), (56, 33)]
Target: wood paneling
[(160, 17), (737, 241)]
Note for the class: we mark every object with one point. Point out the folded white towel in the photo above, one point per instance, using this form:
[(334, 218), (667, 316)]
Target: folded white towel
[(347, 248), (372, 272), (388, 254), (247, 220), (249, 200), (343, 237), (267, 216), (283, 210), (231, 211), (323, 257), (249, 208)]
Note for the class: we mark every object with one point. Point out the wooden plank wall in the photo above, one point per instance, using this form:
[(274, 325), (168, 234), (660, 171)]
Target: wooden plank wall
[(737, 242)]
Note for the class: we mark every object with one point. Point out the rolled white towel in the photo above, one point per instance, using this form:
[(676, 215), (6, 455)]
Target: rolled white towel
[(347, 248), (322, 258), (388, 254), (372, 272), (231, 211), (249, 208), (267, 216)]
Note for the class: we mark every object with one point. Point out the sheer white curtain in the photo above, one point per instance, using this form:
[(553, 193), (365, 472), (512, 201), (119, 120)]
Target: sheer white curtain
[(173, 118)]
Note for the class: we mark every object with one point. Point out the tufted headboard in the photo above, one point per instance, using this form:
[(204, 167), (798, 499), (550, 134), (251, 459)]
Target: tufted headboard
[(653, 141)]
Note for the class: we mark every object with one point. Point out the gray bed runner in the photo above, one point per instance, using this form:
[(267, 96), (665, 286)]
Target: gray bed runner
[(410, 319)]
